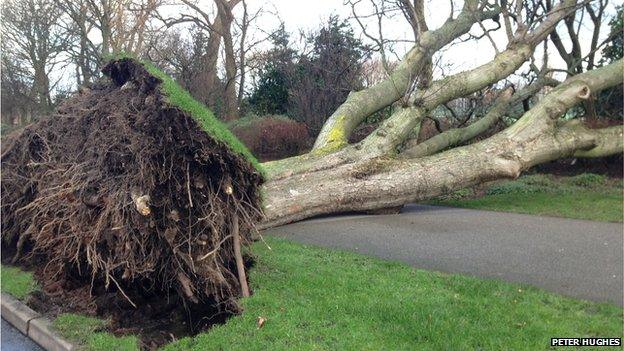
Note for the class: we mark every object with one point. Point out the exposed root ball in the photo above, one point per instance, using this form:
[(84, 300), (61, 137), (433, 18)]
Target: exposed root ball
[(126, 190)]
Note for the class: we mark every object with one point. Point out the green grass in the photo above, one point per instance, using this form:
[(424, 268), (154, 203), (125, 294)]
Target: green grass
[(87, 332), (83, 330), (586, 196), (182, 99), (17, 282), (319, 299)]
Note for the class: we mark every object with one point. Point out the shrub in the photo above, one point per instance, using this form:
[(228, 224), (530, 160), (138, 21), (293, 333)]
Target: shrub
[(514, 188), (461, 193), (543, 180), (588, 179), (272, 137)]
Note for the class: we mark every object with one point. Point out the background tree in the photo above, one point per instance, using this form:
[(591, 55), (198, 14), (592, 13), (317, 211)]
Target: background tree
[(614, 48), (226, 33), (318, 81), (101, 28), (609, 101), (272, 80), (33, 41), (17, 100)]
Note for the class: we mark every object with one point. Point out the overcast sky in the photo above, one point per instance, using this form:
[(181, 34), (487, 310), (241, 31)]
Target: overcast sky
[(308, 15), (298, 14)]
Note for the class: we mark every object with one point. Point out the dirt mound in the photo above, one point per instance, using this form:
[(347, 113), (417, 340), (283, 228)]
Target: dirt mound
[(125, 191)]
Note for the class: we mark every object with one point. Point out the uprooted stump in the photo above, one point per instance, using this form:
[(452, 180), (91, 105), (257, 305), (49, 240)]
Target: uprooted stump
[(127, 187)]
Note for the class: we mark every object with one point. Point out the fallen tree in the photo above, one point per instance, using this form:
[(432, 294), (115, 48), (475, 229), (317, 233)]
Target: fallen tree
[(122, 186), (131, 186), (390, 168)]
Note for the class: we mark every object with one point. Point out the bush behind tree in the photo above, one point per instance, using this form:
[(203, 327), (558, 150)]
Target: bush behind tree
[(272, 137)]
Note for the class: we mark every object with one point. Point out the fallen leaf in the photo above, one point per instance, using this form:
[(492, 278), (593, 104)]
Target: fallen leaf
[(261, 321)]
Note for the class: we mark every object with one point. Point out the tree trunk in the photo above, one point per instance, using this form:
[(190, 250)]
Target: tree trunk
[(231, 99), (382, 182)]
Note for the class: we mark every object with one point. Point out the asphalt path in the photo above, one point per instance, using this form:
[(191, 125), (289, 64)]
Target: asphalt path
[(13, 340), (577, 258)]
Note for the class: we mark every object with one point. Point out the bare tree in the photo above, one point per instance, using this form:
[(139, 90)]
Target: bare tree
[(100, 28), (32, 36), (217, 22), (382, 11)]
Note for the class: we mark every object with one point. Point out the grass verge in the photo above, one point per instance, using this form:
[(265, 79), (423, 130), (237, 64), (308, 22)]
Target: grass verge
[(82, 330), (17, 282), (319, 299), (87, 332), (586, 196)]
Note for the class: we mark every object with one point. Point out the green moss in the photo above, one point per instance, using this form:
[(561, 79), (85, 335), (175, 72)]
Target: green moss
[(17, 282), (86, 331), (182, 99), (329, 148), (336, 138)]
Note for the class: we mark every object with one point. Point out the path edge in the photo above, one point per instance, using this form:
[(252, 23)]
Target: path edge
[(32, 324)]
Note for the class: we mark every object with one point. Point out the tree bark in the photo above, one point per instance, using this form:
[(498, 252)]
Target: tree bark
[(361, 104), (231, 99), (383, 182)]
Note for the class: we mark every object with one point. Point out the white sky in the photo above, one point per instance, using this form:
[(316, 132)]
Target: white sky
[(308, 15), (298, 14)]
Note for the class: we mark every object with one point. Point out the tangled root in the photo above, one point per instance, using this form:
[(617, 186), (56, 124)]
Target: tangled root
[(126, 190)]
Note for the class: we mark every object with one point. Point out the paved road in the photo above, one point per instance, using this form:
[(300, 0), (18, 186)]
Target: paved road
[(578, 258), (13, 340)]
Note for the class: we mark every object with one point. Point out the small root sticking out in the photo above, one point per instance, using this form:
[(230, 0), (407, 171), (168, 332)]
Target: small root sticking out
[(240, 265)]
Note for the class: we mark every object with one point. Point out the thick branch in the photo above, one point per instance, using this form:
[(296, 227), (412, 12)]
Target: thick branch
[(380, 183), (608, 141), (361, 104), (568, 94), (458, 136)]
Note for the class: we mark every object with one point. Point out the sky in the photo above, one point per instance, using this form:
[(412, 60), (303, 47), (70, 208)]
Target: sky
[(308, 15), (298, 14)]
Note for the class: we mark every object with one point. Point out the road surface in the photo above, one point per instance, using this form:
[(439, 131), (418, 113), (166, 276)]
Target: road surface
[(13, 340), (578, 258)]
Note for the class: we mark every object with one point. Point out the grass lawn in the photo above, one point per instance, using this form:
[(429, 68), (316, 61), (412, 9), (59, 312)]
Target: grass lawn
[(320, 299), (586, 196), (16, 282)]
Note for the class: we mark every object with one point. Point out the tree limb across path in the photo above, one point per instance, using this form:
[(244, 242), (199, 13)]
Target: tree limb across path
[(390, 168)]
